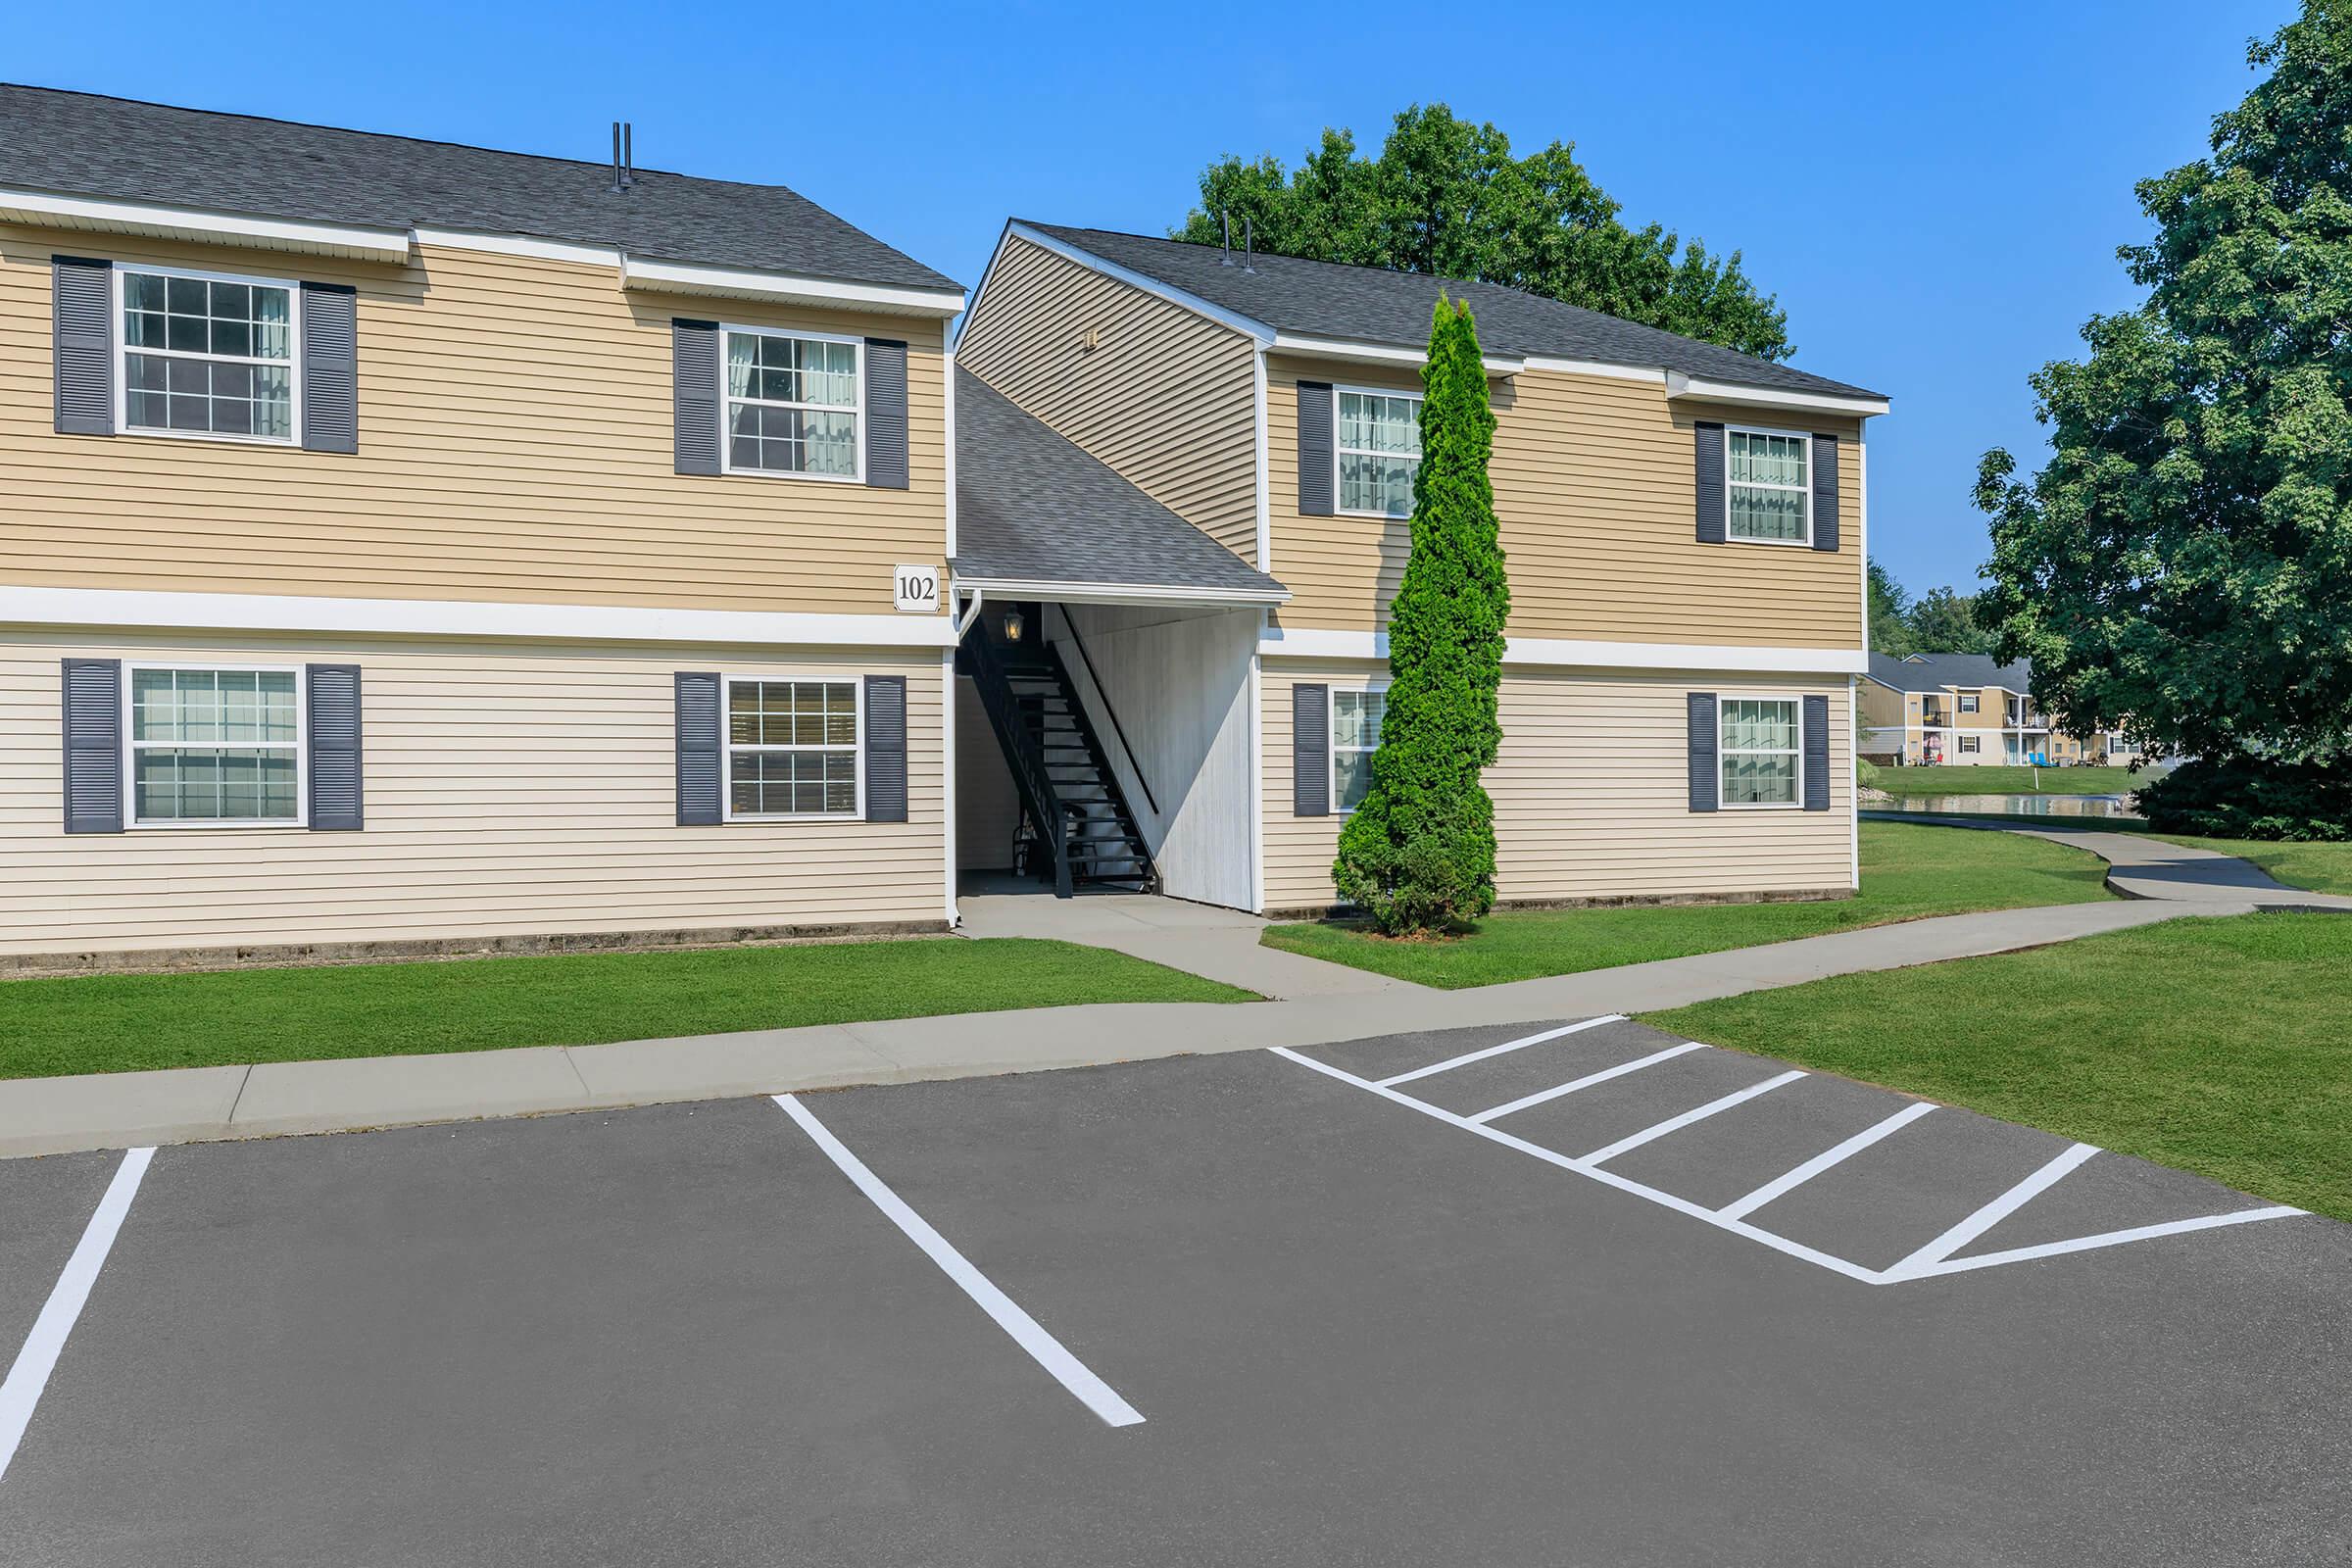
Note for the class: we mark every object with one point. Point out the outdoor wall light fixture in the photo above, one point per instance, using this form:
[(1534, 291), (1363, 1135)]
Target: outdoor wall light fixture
[(1012, 625)]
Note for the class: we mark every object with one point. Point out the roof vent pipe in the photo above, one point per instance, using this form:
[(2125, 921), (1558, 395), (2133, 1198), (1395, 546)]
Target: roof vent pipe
[(1225, 256), (628, 154), (1248, 243)]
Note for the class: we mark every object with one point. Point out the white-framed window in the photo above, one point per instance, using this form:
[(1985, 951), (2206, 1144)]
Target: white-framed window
[(1973, 743), (796, 404), (1355, 715), (1968, 702), (1768, 485), (1757, 751), (209, 355), (213, 746), (792, 747), (1379, 451)]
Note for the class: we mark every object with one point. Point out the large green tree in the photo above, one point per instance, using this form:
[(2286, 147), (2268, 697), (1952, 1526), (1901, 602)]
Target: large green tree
[(1447, 197), (1890, 612), (1418, 854), (2183, 565), (1943, 620)]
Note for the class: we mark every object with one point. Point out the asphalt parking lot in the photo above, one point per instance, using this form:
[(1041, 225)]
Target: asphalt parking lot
[(1331, 1307)]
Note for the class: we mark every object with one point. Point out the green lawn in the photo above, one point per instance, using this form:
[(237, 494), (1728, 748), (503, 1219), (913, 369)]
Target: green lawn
[(2317, 867), (2218, 1046), (117, 1023), (1908, 870), (1999, 780)]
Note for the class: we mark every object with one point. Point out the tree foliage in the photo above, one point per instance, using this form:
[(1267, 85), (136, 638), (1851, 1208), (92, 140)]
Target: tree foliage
[(1447, 197), (1889, 614), (1941, 620), (1418, 854), (2183, 565)]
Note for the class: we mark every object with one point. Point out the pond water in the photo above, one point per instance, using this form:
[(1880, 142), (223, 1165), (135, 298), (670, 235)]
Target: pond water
[(2112, 808)]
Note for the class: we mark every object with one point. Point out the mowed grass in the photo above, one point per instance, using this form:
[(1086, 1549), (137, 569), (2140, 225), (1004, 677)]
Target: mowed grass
[(2002, 780), (120, 1023), (2314, 867), (2218, 1046), (1908, 871)]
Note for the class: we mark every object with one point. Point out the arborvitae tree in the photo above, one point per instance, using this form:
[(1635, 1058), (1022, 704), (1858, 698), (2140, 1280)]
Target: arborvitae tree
[(1418, 855)]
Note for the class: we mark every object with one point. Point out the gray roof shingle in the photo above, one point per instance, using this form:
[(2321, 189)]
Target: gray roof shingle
[(1031, 507), (119, 149), (1933, 672), (1370, 304)]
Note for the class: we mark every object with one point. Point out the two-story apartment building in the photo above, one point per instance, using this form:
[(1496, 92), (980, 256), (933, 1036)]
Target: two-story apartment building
[(1684, 525), (1967, 709)]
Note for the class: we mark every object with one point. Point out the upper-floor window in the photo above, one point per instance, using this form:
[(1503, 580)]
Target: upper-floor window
[(215, 748), (793, 403), (1354, 736), (792, 749), (1759, 750), (1767, 485), (1379, 451), (208, 354), (1968, 702)]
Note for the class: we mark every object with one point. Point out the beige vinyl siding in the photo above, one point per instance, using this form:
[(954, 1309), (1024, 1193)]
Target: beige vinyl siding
[(513, 789), (1167, 397), (515, 443), (1592, 793), (1594, 488)]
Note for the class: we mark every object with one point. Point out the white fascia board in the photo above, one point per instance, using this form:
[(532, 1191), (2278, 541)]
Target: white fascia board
[(546, 250), (437, 617), (1353, 351), (1653, 374), (1149, 285), (745, 283), (1576, 653), (1679, 386), (55, 211), (1121, 592)]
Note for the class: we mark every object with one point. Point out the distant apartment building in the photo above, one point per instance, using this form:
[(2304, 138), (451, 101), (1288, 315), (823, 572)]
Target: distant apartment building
[(1967, 709)]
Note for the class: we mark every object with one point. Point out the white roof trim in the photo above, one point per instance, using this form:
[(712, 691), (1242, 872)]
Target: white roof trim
[(1679, 386), (1361, 353), (1128, 275), (1120, 593), (1654, 375), (546, 250), (1579, 654), (54, 211), (433, 617), (745, 284)]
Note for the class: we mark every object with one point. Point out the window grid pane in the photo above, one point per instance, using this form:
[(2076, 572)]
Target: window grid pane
[(1379, 451), (1768, 483), (1759, 746), (791, 405), (792, 748), (1354, 736), (214, 745), (190, 347)]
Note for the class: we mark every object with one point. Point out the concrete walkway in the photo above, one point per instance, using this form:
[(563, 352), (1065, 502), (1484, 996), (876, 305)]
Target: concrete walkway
[(1315, 1003)]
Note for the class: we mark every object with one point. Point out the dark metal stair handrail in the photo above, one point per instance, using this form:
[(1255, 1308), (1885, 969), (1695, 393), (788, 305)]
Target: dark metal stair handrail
[(1108, 711)]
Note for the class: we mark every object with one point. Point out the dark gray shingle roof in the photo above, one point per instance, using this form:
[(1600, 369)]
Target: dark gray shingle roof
[(1933, 672), (1370, 304), (121, 150), (1031, 507)]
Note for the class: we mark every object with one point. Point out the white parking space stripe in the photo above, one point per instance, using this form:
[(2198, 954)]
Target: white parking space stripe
[(29, 1374), (1042, 1348), (2084, 1243), (1991, 1214), (1633, 1141), (1525, 1101), (1449, 1066), (1781, 1185)]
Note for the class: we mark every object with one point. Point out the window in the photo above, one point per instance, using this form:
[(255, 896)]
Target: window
[(1759, 750), (1379, 449), (1975, 743), (1968, 702), (208, 356), (792, 748), (1767, 486), (215, 748), (1355, 737), (794, 402)]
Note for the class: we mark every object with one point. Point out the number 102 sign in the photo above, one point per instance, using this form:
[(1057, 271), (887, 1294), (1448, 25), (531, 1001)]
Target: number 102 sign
[(915, 589)]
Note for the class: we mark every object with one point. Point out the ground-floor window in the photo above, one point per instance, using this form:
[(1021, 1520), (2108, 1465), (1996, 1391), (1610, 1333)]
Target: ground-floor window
[(1759, 750), (792, 748), (1972, 744), (216, 747), (1354, 736)]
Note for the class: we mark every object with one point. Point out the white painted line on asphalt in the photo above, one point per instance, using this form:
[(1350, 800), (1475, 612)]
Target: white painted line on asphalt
[(29, 1374), (1633, 1141), (1525, 1101), (1991, 1214), (1449, 1066), (1042, 1348), (1782, 1186), (2084, 1243)]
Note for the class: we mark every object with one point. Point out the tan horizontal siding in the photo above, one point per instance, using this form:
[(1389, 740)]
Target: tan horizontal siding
[(1594, 487), (1167, 397), (515, 443), (1591, 793), (511, 789)]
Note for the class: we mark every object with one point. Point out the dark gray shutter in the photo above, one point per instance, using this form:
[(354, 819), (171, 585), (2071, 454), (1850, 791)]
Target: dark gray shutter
[(1310, 750), (1824, 492), (885, 413), (330, 368), (93, 715), (1817, 753), (1706, 777), (698, 748), (82, 315), (694, 395), (1317, 455), (886, 748), (1707, 450), (334, 747)]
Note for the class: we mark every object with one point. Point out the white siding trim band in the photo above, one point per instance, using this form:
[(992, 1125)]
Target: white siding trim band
[(1308, 643), (52, 210), (434, 618), (1120, 593)]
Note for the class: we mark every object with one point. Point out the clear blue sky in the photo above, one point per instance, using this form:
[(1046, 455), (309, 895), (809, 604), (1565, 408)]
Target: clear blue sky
[(1933, 192)]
